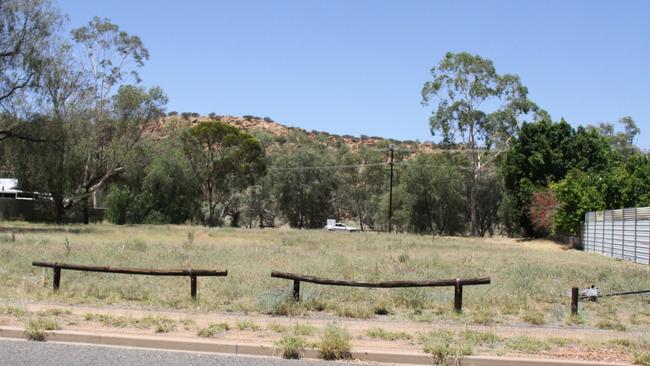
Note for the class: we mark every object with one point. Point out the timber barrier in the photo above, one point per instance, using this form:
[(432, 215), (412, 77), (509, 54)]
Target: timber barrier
[(456, 283), (191, 273)]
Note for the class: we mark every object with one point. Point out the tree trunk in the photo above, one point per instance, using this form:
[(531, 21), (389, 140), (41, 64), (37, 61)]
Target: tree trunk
[(472, 208), (59, 209), (85, 211), (234, 222)]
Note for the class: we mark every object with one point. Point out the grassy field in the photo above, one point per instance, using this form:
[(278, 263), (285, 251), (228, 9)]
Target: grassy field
[(530, 279)]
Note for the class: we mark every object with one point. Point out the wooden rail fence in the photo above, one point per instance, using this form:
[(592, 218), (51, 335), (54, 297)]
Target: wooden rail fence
[(575, 297), (191, 273), (457, 283)]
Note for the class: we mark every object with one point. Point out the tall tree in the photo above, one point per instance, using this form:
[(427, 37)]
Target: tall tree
[(112, 55), (478, 108), (433, 194), (225, 160), (362, 183), (304, 187), (543, 153), (27, 31), (623, 141)]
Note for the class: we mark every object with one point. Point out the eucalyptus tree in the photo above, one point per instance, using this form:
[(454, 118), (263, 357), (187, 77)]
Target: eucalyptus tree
[(27, 30), (478, 108), (225, 160)]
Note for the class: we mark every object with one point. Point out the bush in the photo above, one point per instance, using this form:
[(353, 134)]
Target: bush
[(118, 202), (290, 346), (213, 329), (335, 343), (35, 329)]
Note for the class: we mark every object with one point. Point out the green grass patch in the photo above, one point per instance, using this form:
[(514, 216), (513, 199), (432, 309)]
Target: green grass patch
[(380, 333), (213, 329), (248, 325), (290, 346), (335, 343), (36, 327), (525, 344)]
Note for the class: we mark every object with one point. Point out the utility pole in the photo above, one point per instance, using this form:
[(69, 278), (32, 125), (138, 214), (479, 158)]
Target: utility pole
[(391, 147)]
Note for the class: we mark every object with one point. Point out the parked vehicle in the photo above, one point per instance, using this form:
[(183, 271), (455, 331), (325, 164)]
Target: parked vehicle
[(337, 226)]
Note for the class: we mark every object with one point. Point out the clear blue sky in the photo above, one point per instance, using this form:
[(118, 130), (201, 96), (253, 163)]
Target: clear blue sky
[(357, 67)]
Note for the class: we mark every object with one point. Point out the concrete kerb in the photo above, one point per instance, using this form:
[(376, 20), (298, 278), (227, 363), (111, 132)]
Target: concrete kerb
[(251, 349)]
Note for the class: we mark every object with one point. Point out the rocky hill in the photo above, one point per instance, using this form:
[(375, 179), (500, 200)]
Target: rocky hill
[(274, 133)]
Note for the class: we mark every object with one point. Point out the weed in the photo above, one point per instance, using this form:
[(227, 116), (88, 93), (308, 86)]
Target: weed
[(13, 311), (382, 308), (303, 329), (483, 317), (641, 358), (534, 317), (355, 311), (213, 329), (575, 319), (159, 323), (247, 325), (527, 345), (335, 343), (137, 245), (35, 329), (290, 346), (479, 338), (403, 258), (380, 333), (278, 302), (54, 312), (277, 328), (188, 323), (442, 345)]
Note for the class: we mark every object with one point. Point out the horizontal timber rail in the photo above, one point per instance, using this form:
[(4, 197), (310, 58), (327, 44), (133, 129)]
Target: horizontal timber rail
[(457, 283), (191, 273), (575, 297)]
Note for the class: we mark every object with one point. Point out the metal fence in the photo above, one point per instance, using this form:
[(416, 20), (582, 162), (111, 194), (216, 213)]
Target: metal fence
[(623, 234)]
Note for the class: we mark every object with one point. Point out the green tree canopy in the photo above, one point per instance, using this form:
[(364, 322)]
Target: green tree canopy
[(224, 160), (477, 108)]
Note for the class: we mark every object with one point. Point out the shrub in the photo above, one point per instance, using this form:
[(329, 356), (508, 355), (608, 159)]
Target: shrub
[(290, 346), (118, 203), (534, 317), (303, 329), (35, 329), (247, 325), (442, 345), (641, 358), (527, 345), (380, 333), (541, 209), (213, 329), (335, 343)]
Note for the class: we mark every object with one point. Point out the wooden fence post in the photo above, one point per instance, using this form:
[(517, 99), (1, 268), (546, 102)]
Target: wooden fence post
[(56, 277), (458, 296), (296, 290), (193, 286), (574, 300)]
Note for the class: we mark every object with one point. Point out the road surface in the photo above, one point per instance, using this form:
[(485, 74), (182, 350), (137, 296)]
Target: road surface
[(26, 353)]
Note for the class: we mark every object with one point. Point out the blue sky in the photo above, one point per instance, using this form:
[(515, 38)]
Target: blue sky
[(357, 67)]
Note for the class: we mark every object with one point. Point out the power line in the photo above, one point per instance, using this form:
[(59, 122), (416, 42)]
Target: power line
[(328, 166)]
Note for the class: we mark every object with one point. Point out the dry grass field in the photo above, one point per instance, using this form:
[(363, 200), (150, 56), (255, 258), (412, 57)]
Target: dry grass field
[(530, 279)]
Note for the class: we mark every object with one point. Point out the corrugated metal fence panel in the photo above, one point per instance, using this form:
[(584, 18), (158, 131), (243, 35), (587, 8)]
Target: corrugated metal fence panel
[(623, 233), (643, 241)]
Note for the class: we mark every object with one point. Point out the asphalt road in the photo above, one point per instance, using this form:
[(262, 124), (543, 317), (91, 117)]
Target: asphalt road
[(19, 353)]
